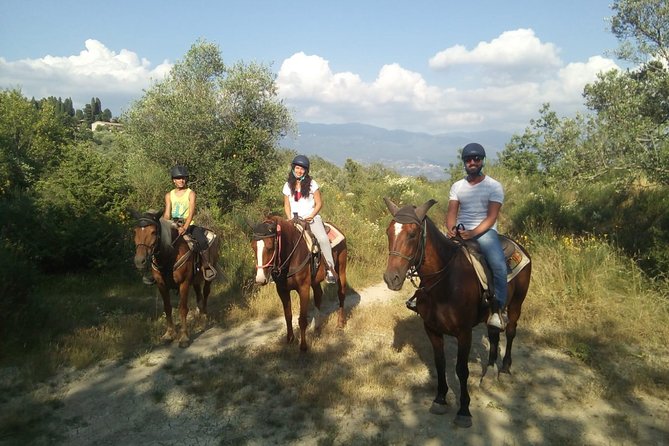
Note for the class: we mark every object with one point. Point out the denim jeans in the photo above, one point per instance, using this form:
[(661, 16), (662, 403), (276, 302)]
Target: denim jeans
[(494, 255)]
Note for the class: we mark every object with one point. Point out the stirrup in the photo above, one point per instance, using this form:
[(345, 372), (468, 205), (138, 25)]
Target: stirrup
[(497, 321), (411, 304), (209, 273), (330, 277)]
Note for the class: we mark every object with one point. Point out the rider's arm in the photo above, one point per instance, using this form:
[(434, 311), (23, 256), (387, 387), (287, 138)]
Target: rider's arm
[(286, 207), (489, 221), (318, 204), (168, 207), (191, 209), (452, 217)]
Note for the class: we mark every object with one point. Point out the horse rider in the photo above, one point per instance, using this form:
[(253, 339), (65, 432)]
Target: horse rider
[(475, 202), (302, 197), (180, 208)]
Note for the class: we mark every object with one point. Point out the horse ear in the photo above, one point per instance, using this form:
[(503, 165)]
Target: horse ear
[(136, 215), (392, 207), (422, 210)]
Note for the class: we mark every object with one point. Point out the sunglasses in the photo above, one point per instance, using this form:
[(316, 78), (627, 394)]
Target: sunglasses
[(473, 158)]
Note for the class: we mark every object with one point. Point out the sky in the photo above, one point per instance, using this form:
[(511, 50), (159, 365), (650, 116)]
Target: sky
[(421, 66)]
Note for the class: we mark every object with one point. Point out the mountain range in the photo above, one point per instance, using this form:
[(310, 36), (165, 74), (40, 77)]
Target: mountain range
[(408, 153)]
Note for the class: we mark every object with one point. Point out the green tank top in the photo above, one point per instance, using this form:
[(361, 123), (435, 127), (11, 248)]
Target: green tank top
[(180, 205)]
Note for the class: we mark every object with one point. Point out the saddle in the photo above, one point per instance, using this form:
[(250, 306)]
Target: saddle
[(334, 235), (516, 260)]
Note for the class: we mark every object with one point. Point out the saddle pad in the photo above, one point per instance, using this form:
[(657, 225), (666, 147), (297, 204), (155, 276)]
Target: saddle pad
[(211, 236), (515, 264), (334, 235)]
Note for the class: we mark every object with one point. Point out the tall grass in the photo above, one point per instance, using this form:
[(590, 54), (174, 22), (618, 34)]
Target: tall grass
[(585, 297)]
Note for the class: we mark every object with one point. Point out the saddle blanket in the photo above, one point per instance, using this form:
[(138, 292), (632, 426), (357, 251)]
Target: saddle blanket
[(515, 262), (334, 235)]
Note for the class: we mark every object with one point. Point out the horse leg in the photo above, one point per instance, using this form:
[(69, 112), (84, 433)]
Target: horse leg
[(184, 287), (284, 294), (341, 289), (303, 320), (170, 333), (510, 336), (437, 340), (493, 337), (464, 417), (318, 298), (201, 299)]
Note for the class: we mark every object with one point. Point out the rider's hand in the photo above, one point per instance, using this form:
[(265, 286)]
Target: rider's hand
[(181, 230), (466, 235)]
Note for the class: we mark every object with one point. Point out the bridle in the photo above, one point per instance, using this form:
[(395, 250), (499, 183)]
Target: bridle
[(144, 222), (275, 262), (419, 254), (417, 259)]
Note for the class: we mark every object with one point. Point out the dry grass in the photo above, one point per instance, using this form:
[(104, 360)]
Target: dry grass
[(595, 304)]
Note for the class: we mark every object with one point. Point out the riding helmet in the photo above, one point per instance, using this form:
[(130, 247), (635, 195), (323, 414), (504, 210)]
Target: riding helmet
[(301, 160), (179, 172), (473, 149)]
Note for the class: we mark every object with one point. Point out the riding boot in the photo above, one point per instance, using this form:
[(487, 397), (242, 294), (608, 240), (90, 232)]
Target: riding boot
[(208, 270)]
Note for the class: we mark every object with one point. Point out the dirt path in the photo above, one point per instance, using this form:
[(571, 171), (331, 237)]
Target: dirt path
[(141, 402)]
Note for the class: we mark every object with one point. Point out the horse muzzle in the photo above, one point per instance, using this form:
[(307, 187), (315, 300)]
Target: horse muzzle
[(393, 280)]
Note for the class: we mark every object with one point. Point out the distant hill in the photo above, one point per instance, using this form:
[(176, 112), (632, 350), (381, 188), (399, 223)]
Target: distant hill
[(408, 153)]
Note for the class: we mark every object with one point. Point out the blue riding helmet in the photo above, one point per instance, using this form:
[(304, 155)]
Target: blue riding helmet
[(473, 149), (301, 160)]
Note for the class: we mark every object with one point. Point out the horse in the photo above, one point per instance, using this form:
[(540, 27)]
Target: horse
[(173, 266), (450, 297), (283, 255)]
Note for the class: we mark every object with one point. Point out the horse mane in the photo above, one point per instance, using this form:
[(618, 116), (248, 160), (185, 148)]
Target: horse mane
[(444, 245)]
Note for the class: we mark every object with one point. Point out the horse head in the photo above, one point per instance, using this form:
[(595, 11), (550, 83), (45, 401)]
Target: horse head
[(405, 241), (265, 242), (146, 237)]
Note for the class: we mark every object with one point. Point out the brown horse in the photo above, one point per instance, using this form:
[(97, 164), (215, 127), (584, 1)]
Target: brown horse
[(282, 255), (159, 247), (449, 299)]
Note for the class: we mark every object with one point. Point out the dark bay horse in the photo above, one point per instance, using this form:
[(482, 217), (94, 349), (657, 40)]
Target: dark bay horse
[(172, 262), (449, 299), (282, 255)]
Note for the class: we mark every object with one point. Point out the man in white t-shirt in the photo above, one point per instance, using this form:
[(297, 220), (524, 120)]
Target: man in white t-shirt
[(474, 202)]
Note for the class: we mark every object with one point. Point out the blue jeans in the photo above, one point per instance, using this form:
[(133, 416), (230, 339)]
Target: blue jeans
[(494, 255)]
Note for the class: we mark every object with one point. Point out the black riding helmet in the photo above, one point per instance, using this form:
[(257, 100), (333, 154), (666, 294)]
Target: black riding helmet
[(473, 149), (301, 160), (179, 172)]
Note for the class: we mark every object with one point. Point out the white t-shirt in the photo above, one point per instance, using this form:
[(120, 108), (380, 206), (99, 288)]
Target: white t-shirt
[(305, 205), (474, 200)]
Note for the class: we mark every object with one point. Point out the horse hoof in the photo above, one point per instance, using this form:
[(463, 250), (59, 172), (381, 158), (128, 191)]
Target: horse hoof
[(167, 338), (463, 421), (438, 409)]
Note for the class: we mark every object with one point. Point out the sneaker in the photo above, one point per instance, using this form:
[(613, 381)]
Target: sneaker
[(411, 304), (495, 321), (330, 278)]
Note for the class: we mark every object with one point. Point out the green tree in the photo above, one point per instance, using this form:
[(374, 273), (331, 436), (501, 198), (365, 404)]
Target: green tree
[(642, 27), (222, 122)]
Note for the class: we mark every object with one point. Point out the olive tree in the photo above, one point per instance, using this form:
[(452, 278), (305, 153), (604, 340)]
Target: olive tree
[(222, 122)]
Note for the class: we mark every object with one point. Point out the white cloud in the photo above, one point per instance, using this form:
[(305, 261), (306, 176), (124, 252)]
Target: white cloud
[(95, 72), (499, 84), (511, 49), (505, 83)]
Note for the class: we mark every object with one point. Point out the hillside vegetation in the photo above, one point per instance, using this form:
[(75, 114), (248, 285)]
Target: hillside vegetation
[(587, 196)]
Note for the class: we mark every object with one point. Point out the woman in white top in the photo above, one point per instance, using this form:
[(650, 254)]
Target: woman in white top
[(301, 196)]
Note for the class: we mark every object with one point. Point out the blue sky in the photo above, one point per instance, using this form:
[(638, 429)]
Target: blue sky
[(428, 66)]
